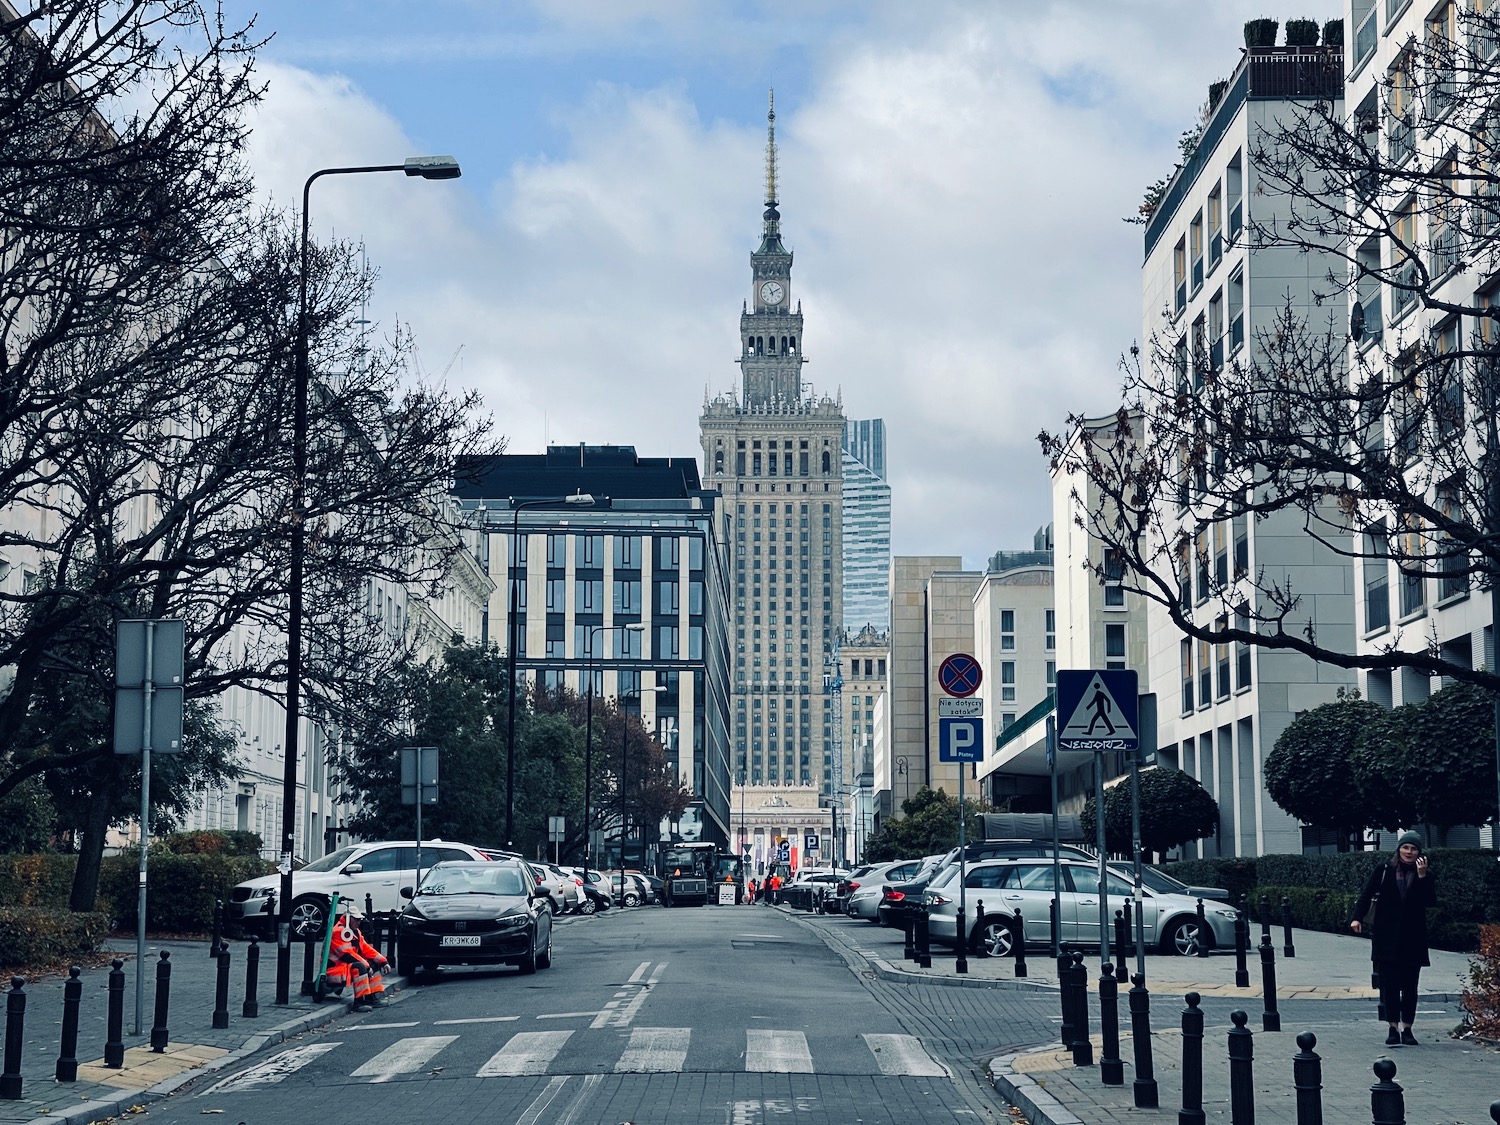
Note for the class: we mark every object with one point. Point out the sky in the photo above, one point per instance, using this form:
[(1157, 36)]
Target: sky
[(953, 182)]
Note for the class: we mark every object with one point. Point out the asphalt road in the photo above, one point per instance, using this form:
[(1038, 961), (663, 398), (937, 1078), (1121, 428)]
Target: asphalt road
[(695, 1015)]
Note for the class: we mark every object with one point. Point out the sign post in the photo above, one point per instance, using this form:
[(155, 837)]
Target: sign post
[(961, 740), (1097, 710), (419, 785)]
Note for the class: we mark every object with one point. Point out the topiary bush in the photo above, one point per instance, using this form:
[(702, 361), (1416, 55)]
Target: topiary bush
[(182, 887), (38, 936), (1301, 33), (1333, 34), (42, 880), (1261, 33)]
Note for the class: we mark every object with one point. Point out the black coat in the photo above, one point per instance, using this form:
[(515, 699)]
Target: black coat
[(1400, 929)]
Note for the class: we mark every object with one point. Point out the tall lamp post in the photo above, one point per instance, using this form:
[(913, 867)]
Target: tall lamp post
[(588, 737), (428, 168), (582, 499)]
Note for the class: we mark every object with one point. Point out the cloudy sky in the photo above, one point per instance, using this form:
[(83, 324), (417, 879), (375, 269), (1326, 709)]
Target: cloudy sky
[(953, 179)]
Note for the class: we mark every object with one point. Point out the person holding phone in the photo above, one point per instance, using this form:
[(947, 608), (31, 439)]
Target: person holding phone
[(1401, 891)]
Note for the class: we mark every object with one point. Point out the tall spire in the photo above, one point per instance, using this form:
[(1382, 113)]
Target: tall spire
[(771, 151)]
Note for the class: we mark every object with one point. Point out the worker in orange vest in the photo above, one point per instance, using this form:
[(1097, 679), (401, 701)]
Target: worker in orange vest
[(355, 961), (775, 885)]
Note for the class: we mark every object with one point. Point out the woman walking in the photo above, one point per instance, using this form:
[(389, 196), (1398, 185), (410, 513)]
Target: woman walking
[(1401, 891)]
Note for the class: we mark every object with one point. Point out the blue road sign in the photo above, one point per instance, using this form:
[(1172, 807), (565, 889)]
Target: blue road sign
[(1097, 710), (961, 740), (960, 675)]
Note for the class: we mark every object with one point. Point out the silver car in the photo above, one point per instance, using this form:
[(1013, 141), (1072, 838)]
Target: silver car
[(1005, 886), (864, 901)]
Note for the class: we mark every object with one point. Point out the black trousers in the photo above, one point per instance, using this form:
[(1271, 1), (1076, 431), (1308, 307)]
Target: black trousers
[(1398, 990)]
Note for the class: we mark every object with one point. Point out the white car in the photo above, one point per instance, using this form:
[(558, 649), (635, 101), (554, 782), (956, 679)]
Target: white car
[(864, 900), (378, 870)]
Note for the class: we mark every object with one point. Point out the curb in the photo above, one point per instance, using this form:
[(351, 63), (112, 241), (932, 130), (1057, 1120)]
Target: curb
[(1026, 1094)]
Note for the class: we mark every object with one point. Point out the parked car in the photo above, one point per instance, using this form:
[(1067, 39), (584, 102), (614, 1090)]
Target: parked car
[(651, 882), (487, 912), (379, 870), (866, 883), (595, 891), (894, 896), (1159, 880), (562, 888), (1007, 885), (633, 893)]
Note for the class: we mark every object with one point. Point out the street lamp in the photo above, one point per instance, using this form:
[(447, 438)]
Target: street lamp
[(582, 499), (428, 168), (588, 737)]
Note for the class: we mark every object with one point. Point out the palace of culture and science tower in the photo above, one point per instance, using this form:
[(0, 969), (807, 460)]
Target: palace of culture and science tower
[(775, 452)]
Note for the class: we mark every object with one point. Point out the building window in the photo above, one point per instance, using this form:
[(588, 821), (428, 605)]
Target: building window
[(590, 551), (1114, 578), (1242, 649), (1179, 276), (1454, 561), (1221, 661), (1007, 681), (557, 551), (1236, 310), (1051, 674), (1114, 645), (1186, 660), (1411, 564), (1377, 580), (1007, 630), (627, 552), (1205, 673), (1050, 640)]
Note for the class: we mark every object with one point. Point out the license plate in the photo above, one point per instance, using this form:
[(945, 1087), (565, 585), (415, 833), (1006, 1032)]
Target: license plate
[(459, 939)]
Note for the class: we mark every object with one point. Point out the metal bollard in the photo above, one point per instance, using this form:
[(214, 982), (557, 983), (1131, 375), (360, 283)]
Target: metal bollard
[(1387, 1102), (1129, 931), (307, 969), (250, 1009), (1191, 1112), (1265, 918), (1052, 924), (1083, 1047), (1495, 1112), (369, 905), (1111, 1066), (1018, 943), (1241, 1071), (961, 944), (67, 1055), (15, 1035), (217, 936), (163, 996), (1287, 948), (909, 926), (1271, 1020), (392, 936), (1120, 926), (221, 990), (1065, 994), (924, 938), (1307, 1077), (114, 1041), (1145, 1091), (1241, 947), (1202, 937)]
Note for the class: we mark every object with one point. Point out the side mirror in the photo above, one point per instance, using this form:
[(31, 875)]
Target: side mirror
[(408, 892), (353, 869)]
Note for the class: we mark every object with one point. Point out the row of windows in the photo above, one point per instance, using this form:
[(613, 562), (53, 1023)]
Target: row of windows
[(1414, 552), (1207, 678), (588, 551), (1008, 631), (1207, 238), (588, 596), (1203, 565), (771, 458)]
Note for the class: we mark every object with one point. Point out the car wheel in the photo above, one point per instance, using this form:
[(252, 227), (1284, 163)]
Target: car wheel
[(587, 906), (309, 918), (631, 898), (993, 938), (406, 964), (544, 959), (1182, 938), (528, 963)]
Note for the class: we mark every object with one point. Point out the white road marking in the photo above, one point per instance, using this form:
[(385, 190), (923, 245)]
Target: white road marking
[(381, 1026), (405, 1056), (564, 1015), (273, 1070), (540, 1103), (903, 1054), (482, 1019), (655, 1050), (581, 1100), (527, 1052), (635, 977), (616, 1014), (777, 1052)]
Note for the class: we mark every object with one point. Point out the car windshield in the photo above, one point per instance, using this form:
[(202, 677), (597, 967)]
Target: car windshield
[(475, 880), (330, 862)]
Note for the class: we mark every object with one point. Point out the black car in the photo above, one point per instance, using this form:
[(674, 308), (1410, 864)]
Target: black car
[(476, 913)]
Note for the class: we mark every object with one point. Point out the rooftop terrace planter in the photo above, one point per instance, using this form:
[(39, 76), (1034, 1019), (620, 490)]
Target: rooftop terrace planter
[(1301, 33), (1261, 33)]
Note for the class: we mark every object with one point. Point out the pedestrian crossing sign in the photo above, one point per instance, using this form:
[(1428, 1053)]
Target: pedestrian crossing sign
[(1096, 710)]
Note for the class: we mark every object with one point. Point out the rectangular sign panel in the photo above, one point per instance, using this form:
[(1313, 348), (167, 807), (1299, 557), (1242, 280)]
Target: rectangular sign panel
[(1097, 709), (960, 740), (970, 708), (166, 720)]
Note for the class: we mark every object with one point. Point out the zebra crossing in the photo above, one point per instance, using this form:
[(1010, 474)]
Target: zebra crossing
[(646, 1050)]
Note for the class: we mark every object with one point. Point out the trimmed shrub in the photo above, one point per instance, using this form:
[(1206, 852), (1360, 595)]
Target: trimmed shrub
[(1301, 33), (1261, 32), (38, 936), (183, 887), (1236, 875), (1481, 1000), (1333, 33), (213, 843), (42, 880)]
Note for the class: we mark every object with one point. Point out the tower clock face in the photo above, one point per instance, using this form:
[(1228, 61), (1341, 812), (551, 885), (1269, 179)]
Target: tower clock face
[(771, 293)]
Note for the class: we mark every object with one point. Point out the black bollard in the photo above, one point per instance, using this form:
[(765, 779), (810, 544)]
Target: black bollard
[(251, 1007), (1271, 1020), (1265, 917), (217, 936), (1129, 933), (67, 1055), (1018, 943), (1287, 949), (1202, 931), (392, 934), (1111, 1066), (308, 983), (221, 990), (1241, 1071), (1140, 1037), (909, 926), (1065, 994), (1241, 947), (1083, 1047), (1191, 1112), (369, 906), (1387, 1102), (1495, 1112), (114, 1042), (1053, 930), (15, 1035), (1120, 927), (961, 944), (163, 996), (924, 938), (1307, 1077)]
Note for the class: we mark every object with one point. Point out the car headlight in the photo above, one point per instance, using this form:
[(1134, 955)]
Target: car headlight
[(411, 918), (262, 892), (1227, 913), (513, 922)]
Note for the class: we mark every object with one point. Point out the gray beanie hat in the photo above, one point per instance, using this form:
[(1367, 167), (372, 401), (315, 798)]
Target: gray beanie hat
[(1409, 837)]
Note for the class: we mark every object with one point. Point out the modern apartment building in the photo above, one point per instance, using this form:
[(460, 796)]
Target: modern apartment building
[(647, 551), (774, 450), (867, 526), (863, 657)]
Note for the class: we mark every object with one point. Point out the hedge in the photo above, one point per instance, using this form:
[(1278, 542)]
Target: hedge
[(213, 842), (43, 880), (36, 936), (1235, 875), (183, 887)]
